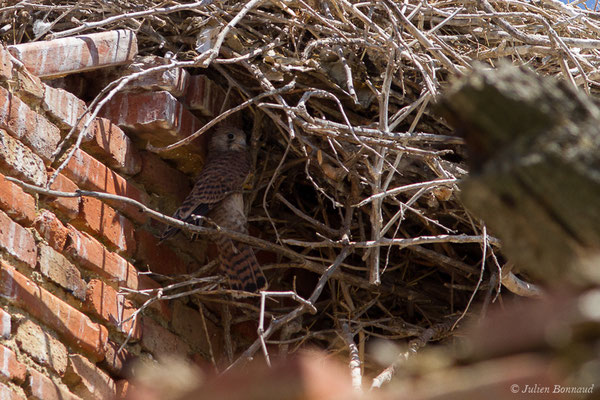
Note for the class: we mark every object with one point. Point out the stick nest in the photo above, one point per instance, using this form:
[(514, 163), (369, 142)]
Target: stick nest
[(353, 169)]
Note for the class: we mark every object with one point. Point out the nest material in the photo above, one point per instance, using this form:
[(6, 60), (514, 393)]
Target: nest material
[(350, 157)]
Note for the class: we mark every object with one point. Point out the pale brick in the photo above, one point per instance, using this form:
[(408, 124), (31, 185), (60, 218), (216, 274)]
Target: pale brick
[(19, 161), (59, 270), (5, 64), (5, 324), (28, 126), (28, 87), (87, 380), (17, 241), (77, 54), (41, 346)]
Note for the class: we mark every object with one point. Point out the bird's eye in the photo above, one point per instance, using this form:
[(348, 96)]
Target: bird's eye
[(230, 136)]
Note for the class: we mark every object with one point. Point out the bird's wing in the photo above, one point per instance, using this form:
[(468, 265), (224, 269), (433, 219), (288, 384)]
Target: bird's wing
[(223, 174)]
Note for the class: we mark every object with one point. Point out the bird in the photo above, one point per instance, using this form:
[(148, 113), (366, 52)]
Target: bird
[(217, 195)]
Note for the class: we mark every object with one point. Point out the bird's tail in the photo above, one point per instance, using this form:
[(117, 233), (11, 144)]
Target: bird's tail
[(240, 265)]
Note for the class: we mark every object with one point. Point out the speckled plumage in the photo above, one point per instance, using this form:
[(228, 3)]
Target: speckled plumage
[(217, 195)]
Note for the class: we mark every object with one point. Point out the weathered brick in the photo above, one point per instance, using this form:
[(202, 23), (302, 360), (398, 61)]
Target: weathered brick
[(51, 229), (10, 367), (5, 324), (204, 95), (40, 387), (102, 220), (102, 300), (92, 255), (174, 80), (155, 113), (55, 266), (19, 205), (76, 54), (74, 327), (28, 87), (41, 346), (19, 161), (5, 64), (91, 174), (110, 144), (188, 324), (117, 362), (17, 241), (28, 126), (158, 258), (87, 380), (160, 341), (7, 393), (67, 206), (64, 109), (160, 178)]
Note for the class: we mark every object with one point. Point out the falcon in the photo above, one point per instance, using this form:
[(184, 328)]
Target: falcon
[(217, 195)]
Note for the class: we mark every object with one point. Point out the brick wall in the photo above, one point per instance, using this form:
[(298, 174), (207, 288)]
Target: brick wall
[(62, 260)]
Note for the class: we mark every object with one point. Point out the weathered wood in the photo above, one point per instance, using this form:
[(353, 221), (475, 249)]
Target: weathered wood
[(534, 147)]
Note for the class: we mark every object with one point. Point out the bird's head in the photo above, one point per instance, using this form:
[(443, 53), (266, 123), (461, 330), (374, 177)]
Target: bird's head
[(228, 139)]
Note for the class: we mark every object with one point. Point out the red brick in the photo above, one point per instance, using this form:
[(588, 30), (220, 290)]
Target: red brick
[(160, 178), (19, 205), (174, 80), (91, 174), (6, 393), (73, 326), (64, 109), (92, 255), (41, 346), (68, 206), (102, 300), (28, 126), (20, 162), (41, 387), (102, 220), (87, 380), (55, 266), (157, 115), (158, 258), (17, 241), (204, 95), (160, 341), (111, 145), (5, 324), (51, 229), (10, 367), (5, 64), (76, 54)]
